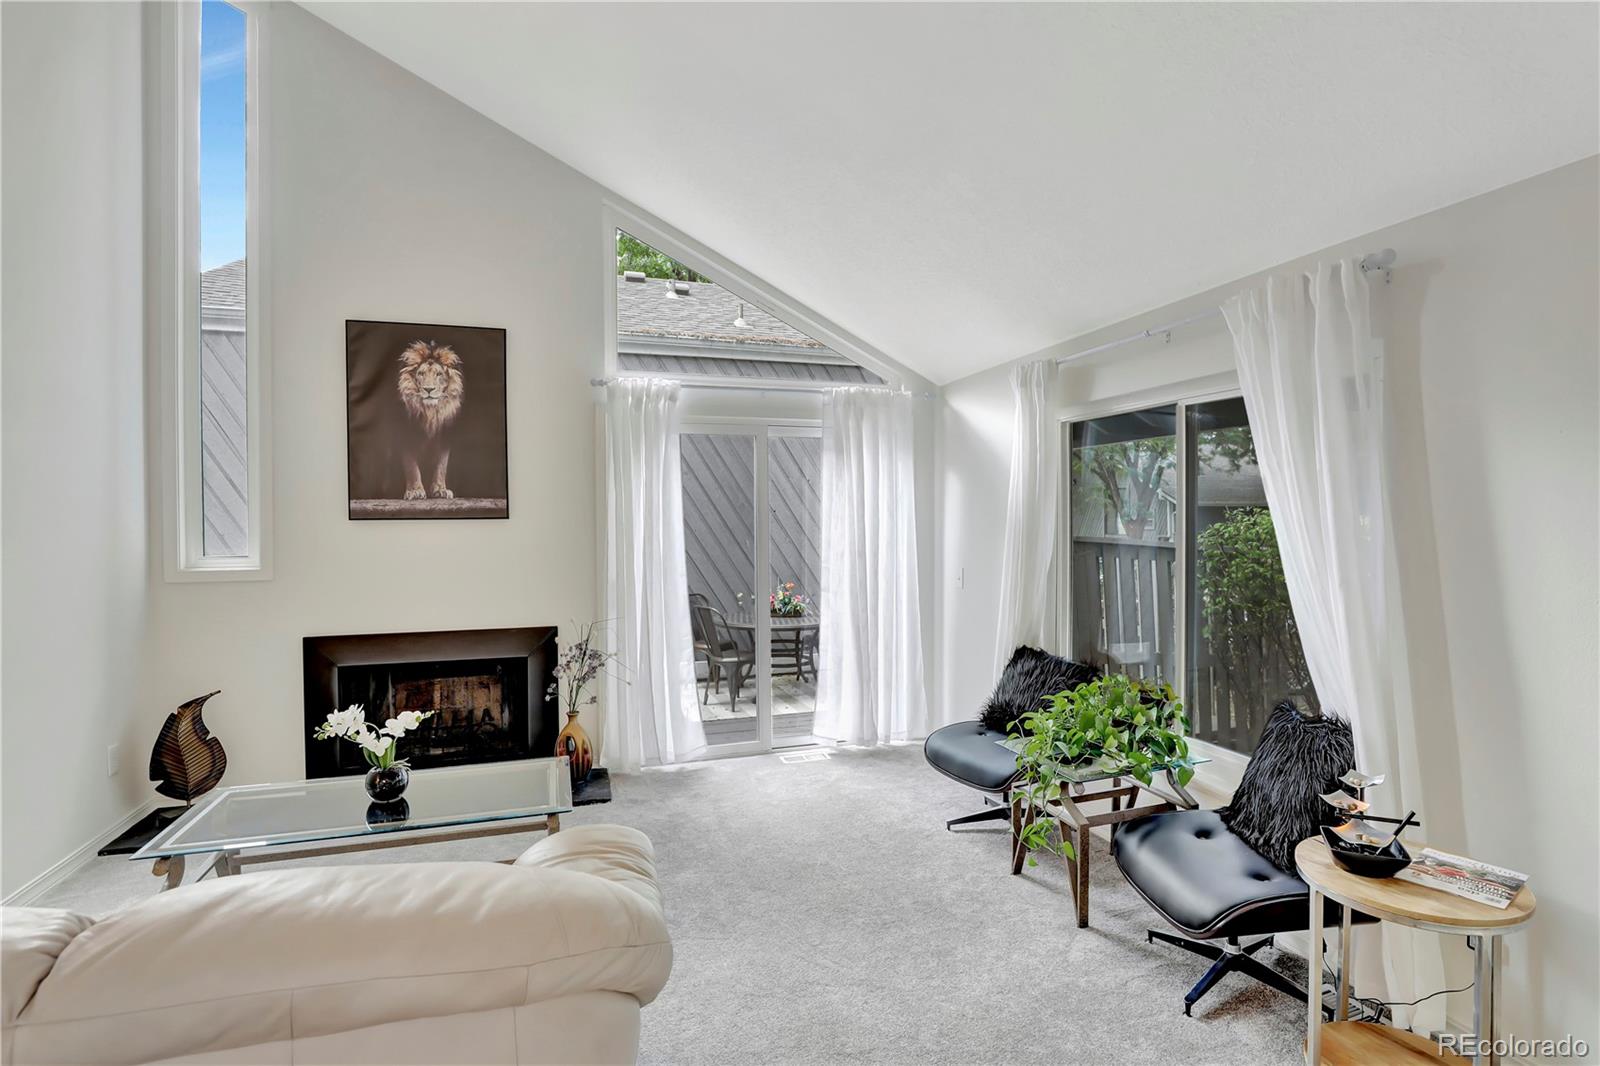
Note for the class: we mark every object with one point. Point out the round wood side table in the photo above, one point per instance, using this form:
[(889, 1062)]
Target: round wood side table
[(1343, 1041)]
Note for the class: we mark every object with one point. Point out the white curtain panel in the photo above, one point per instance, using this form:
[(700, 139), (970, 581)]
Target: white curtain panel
[(1030, 514), (870, 680), (654, 718), (1312, 376)]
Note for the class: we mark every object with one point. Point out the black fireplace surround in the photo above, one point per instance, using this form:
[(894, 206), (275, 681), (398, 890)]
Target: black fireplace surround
[(488, 691)]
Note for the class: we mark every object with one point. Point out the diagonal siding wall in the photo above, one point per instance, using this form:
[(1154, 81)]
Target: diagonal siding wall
[(719, 515), (224, 480)]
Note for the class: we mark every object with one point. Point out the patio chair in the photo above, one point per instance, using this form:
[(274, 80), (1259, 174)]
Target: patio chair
[(714, 641)]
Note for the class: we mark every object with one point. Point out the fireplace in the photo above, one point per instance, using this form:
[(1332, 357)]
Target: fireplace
[(488, 691)]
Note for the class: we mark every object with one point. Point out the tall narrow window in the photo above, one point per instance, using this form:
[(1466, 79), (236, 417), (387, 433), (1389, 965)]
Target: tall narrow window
[(205, 203), (1244, 647), (224, 265)]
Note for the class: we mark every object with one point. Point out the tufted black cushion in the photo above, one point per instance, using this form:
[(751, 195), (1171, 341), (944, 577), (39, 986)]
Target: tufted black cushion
[(1276, 804), (970, 752), (1206, 881), (1028, 678)]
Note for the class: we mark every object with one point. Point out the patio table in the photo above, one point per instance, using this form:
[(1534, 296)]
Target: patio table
[(785, 629)]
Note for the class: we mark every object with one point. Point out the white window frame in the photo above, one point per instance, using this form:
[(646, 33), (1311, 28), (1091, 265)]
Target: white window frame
[(172, 173), (618, 215), (1226, 766)]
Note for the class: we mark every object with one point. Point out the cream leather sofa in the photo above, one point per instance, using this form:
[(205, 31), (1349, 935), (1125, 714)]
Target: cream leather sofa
[(545, 961)]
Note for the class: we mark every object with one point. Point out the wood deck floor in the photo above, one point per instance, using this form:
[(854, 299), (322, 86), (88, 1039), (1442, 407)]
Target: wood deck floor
[(793, 706)]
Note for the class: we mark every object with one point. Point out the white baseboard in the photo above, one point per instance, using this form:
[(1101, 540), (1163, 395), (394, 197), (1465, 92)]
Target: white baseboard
[(70, 865)]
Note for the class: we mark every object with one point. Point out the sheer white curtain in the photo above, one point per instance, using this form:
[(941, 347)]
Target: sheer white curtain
[(654, 718), (1312, 376), (1030, 513), (870, 681)]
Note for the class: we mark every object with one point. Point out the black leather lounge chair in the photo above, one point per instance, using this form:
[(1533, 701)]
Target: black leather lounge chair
[(969, 752), (1226, 875)]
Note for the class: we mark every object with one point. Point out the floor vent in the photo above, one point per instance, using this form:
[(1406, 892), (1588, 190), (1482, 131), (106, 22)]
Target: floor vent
[(804, 756)]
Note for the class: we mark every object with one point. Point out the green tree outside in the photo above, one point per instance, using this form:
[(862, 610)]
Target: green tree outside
[(634, 254)]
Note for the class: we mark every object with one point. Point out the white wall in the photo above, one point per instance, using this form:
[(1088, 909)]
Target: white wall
[(1492, 343), (390, 200), (74, 562)]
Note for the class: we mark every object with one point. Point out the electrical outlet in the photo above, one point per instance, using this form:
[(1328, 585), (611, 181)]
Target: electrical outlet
[(113, 763)]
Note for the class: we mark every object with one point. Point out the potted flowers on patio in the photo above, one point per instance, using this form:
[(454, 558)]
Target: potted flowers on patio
[(388, 777), (787, 603), (1112, 726)]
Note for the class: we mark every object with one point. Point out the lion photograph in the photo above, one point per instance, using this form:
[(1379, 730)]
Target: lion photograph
[(426, 410)]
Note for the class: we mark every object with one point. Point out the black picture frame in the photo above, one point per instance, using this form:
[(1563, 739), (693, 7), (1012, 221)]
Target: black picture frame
[(454, 407)]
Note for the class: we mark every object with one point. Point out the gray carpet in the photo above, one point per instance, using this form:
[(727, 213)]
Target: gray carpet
[(821, 913)]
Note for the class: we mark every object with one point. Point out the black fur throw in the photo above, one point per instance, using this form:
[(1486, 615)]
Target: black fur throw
[(1276, 805), (1028, 678)]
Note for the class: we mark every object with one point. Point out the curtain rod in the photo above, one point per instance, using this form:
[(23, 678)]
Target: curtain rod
[(763, 384), (1369, 264)]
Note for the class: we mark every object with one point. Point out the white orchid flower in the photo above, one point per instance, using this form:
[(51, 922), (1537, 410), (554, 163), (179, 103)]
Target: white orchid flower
[(373, 742)]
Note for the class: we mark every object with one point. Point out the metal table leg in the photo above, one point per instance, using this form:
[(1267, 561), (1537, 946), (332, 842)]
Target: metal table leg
[(1484, 970), (227, 864), (1314, 985)]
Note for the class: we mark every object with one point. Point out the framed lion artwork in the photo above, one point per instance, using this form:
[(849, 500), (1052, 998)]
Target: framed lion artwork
[(426, 410)]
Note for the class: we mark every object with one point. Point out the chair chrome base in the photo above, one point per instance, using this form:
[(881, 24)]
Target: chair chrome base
[(1229, 959), (989, 814)]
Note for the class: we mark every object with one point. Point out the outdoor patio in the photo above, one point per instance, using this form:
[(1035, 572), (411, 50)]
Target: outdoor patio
[(793, 703)]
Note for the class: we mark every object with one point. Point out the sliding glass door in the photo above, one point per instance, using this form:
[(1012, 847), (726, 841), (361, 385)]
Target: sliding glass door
[(1174, 570), (753, 556), (794, 578)]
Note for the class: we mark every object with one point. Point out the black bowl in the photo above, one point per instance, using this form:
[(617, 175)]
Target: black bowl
[(1363, 860)]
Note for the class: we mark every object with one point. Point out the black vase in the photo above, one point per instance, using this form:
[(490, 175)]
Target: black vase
[(388, 785)]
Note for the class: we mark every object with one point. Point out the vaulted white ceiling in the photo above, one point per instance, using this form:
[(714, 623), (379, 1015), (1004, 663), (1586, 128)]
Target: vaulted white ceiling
[(963, 184)]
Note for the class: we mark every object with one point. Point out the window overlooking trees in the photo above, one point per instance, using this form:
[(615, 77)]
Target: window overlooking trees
[(671, 319), (1154, 510), (1244, 647), (1124, 507)]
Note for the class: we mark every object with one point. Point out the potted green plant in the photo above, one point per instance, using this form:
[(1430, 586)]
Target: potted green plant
[(1114, 725)]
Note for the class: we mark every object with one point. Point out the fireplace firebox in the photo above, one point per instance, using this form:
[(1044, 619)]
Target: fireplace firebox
[(487, 691)]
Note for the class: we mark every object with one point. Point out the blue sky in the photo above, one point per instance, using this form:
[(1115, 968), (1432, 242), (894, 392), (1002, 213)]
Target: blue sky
[(222, 133)]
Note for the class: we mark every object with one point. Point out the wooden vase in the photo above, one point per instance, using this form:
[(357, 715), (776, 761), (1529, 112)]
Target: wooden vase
[(574, 743)]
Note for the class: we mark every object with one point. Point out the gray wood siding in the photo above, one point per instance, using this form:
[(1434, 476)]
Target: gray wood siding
[(224, 477), (719, 515)]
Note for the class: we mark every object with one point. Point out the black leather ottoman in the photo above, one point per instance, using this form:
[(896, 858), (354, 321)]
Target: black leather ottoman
[(968, 752)]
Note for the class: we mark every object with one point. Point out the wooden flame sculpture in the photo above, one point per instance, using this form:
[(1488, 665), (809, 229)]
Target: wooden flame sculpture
[(187, 760)]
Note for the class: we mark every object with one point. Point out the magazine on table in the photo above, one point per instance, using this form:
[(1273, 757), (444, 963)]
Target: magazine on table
[(1460, 876)]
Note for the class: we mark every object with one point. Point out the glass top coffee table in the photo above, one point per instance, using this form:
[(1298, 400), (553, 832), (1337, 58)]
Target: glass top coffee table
[(275, 823)]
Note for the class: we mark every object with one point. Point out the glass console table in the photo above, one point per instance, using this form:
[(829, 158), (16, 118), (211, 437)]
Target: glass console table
[(329, 816)]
